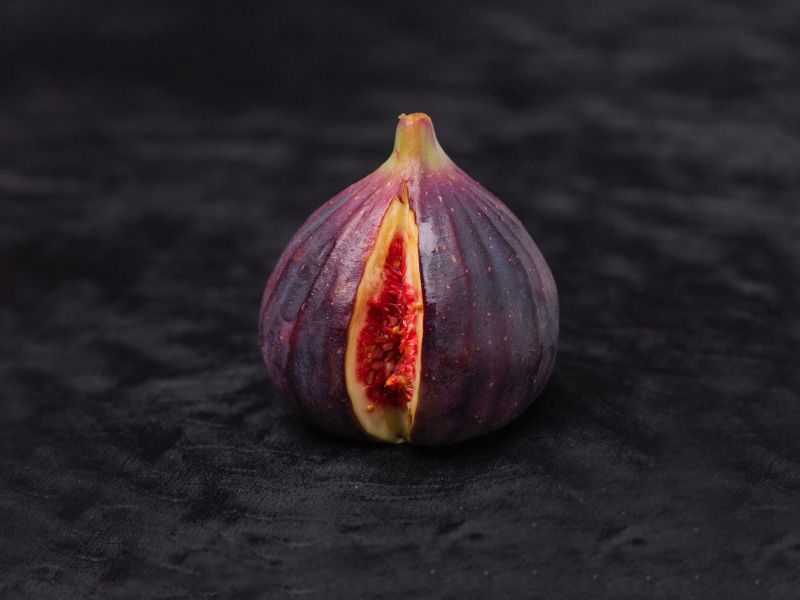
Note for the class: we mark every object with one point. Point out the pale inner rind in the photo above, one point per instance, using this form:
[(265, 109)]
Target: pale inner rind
[(390, 424)]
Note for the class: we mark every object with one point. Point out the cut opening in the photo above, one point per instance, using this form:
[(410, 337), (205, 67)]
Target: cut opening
[(387, 344), (382, 364)]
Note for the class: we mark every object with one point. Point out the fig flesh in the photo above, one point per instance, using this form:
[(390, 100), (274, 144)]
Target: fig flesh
[(413, 306), (382, 361)]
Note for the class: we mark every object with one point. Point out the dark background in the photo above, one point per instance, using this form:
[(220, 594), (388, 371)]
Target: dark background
[(154, 161)]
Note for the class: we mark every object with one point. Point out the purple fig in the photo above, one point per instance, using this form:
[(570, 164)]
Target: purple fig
[(413, 306)]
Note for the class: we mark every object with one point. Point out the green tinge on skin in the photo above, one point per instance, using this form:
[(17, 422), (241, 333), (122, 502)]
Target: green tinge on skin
[(415, 142)]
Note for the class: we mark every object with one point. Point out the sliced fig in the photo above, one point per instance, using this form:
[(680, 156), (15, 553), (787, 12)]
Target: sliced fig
[(382, 364), (413, 306)]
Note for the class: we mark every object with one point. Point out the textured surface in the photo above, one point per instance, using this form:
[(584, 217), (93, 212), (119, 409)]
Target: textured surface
[(154, 162)]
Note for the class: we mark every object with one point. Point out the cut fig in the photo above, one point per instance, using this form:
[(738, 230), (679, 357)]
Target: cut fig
[(382, 365), (413, 306)]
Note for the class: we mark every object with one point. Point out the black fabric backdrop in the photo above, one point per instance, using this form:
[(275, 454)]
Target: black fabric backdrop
[(154, 161)]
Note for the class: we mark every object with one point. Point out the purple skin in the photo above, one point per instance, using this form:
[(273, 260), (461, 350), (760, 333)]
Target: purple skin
[(490, 301)]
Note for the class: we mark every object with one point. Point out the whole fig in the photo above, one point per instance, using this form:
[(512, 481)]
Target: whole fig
[(412, 306)]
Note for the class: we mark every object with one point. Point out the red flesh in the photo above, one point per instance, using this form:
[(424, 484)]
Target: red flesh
[(388, 343)]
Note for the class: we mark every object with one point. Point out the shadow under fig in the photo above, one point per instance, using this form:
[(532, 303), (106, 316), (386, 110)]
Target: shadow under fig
[(569, 399)]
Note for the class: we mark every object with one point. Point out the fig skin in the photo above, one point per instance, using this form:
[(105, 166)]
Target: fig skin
[(490, 328)]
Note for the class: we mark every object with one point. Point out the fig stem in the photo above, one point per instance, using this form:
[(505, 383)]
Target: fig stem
[(415, 141)]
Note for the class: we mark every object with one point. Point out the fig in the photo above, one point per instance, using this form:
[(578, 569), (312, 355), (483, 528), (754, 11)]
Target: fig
[(412, 306)]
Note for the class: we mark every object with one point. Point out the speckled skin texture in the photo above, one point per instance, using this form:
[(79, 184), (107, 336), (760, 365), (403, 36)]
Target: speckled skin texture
[(491, 312), (490, 303), (308, 302), (155, 160)]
